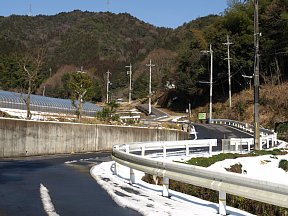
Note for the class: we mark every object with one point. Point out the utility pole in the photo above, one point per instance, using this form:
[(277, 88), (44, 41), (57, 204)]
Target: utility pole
[(130, 81), (211, 79), (108, 83), (150, 80), (211, 82), (228, 43), (256, 78)]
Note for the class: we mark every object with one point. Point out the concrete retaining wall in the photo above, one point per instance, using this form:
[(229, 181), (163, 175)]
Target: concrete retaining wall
[(25, 138)]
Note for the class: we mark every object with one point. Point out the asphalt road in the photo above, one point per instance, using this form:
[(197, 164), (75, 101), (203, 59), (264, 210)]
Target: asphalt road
[(219, 132), (71, 188), (213, 131)]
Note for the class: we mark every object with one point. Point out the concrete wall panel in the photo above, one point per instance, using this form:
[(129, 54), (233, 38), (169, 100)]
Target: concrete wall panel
[(25, 138)]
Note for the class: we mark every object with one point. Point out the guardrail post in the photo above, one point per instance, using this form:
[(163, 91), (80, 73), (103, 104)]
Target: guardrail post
[(165, 191), (132, 174), (187, 150), (268, 141), (222, 203), (116, 165), (210, 148), (274, 139), (143, 150), (236, 144), (164, 151)]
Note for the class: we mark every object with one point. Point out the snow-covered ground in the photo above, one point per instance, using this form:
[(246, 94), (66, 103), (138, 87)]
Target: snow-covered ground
[(148, 199), (36, 115)]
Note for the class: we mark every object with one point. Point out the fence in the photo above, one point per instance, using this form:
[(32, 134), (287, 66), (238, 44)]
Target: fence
[(266, 136), (232, 183)]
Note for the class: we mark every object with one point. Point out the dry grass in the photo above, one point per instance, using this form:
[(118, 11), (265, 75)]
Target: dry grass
[(273, 106)]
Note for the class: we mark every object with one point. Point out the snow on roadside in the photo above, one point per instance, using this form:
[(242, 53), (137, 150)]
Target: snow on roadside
[(261, 167), (147, 199)]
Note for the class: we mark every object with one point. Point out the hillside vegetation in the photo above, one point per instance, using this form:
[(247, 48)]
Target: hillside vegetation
[(98, 42)]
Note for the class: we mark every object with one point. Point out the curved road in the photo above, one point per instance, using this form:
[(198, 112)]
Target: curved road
[(213, 131), (219, 132), (71, 188)]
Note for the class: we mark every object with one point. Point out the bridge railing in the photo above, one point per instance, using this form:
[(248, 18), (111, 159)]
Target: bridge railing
[(223, 182), (266, 135)]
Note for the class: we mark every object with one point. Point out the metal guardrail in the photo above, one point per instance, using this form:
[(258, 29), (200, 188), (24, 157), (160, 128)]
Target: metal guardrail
[(266, 135), (231, 183)]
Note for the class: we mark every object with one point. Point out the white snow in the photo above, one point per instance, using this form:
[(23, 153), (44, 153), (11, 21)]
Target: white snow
[(148, 200), (36, 115), (261, 167), (46, 201)]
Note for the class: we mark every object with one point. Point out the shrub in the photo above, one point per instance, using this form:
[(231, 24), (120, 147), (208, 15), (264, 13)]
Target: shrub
[(283, 164), (236, 168)]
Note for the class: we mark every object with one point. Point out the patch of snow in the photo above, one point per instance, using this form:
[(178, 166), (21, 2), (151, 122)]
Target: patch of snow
[(46, 201), (147, 198), (261, 167)]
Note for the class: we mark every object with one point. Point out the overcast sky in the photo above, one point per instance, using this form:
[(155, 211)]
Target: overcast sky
[(162, 13)]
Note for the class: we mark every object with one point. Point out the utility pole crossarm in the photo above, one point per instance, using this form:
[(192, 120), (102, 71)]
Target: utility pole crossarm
[(150, 65)]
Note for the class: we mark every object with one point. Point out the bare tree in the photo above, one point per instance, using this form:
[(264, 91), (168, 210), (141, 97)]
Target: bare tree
[(80, 86), (31, 65)]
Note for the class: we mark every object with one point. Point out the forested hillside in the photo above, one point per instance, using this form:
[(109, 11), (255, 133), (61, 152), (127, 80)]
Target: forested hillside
[(102, 41)]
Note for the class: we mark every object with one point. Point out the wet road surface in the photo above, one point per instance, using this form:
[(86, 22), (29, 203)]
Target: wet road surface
[(71, 188), (219, 132)]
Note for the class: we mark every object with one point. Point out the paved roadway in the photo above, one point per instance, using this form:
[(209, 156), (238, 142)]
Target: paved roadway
[(219, 132), (71, 188), (156, 113), (213, 131)]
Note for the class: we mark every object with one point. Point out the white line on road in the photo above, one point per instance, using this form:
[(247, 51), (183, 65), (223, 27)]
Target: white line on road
[(46, 200)]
